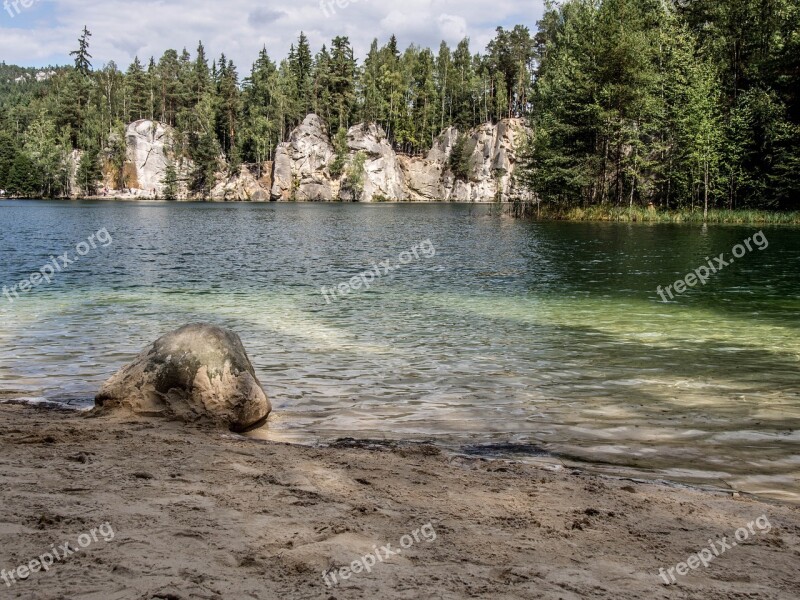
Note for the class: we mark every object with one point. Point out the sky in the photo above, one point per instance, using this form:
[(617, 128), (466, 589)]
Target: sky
[(35, 33)]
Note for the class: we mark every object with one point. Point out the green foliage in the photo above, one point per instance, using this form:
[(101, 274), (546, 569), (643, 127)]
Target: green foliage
[(23, 178), (116, 153), (643, 101), (204, 146), (89, 172), (170, 182), (340, 159), (354, 180), (458, 161), (8, 152), (639, 214)]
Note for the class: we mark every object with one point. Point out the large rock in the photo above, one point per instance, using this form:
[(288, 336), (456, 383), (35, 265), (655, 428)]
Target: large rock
[(491, 164), (301, 164), (383, 177), (492, 160), (148, 144), (246, 185), (199, 372)]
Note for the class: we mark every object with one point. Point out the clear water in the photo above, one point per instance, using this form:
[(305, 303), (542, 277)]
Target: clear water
[(549, 334)]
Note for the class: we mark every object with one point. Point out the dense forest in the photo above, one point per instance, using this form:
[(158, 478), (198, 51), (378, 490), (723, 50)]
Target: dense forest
[(679, 103), (675, 103), (412, 94)]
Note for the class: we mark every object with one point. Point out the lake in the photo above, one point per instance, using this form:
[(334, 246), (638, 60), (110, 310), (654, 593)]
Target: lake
[(483, 333)]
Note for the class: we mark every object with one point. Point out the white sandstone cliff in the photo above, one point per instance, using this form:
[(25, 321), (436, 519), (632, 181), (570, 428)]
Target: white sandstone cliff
[(302, 166), (301, 169)]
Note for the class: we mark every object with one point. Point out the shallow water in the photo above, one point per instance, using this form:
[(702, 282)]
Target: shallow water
[(549, 334)]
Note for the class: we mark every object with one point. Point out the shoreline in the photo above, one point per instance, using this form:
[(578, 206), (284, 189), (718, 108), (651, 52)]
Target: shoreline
[(528, 211), (268, 519), (492, 451)]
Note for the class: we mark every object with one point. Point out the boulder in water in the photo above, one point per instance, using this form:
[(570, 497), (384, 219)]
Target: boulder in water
[(198, 373)]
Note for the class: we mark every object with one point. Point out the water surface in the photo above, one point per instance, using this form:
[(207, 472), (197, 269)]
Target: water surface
[(515, 333)]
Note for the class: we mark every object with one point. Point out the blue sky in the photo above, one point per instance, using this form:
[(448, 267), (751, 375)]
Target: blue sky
[(45, 31)]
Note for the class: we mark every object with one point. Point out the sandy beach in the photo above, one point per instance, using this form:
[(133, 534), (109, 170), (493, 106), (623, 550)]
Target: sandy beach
[(173, 511)]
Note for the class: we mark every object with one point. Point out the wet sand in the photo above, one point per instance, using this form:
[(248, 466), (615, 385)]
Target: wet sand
[(198, 513)]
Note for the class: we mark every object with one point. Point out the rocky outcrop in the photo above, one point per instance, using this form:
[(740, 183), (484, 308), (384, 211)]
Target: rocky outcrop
[(303, 166), (491, 157), (199, 372), (148, 145), (382, 175), (150, 149), (245, 185)]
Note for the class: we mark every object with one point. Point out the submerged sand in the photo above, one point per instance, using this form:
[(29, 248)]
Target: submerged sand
[(197, 513)]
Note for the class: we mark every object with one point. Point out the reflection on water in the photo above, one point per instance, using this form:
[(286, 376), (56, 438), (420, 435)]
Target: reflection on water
[(549, 335)]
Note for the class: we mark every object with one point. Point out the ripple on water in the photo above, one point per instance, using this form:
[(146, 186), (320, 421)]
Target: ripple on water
[(515, 335)]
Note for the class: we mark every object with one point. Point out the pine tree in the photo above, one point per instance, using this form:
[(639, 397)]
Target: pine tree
[(370, 83), (170, 182), (136, 91), (259, 111), (169, 87), (425, 105), (463, 114), (228, 110), (200, 78), (8, 153), (301, 64), (341, 83), (82, 56), (89, 172), (23, 178), (204, 149)]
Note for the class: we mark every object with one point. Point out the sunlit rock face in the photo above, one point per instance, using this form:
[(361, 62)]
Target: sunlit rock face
[(247, 184), (301, 169), (148, 144), (492, 151), (383, 177), (302, 165)]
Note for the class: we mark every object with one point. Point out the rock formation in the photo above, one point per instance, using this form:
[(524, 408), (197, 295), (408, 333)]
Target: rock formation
[(302, 165), (199, 372), (302, 168), (148, 146), (244, 185), (383, 178)]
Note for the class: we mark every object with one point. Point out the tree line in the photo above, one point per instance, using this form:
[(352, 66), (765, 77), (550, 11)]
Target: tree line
[(678, 104), (412, 93)]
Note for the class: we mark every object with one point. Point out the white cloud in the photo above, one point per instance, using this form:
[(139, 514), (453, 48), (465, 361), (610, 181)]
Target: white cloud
[(121, 29), (452, 28)]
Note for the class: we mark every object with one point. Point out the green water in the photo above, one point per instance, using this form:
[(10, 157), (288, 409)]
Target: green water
[(548, 334)]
